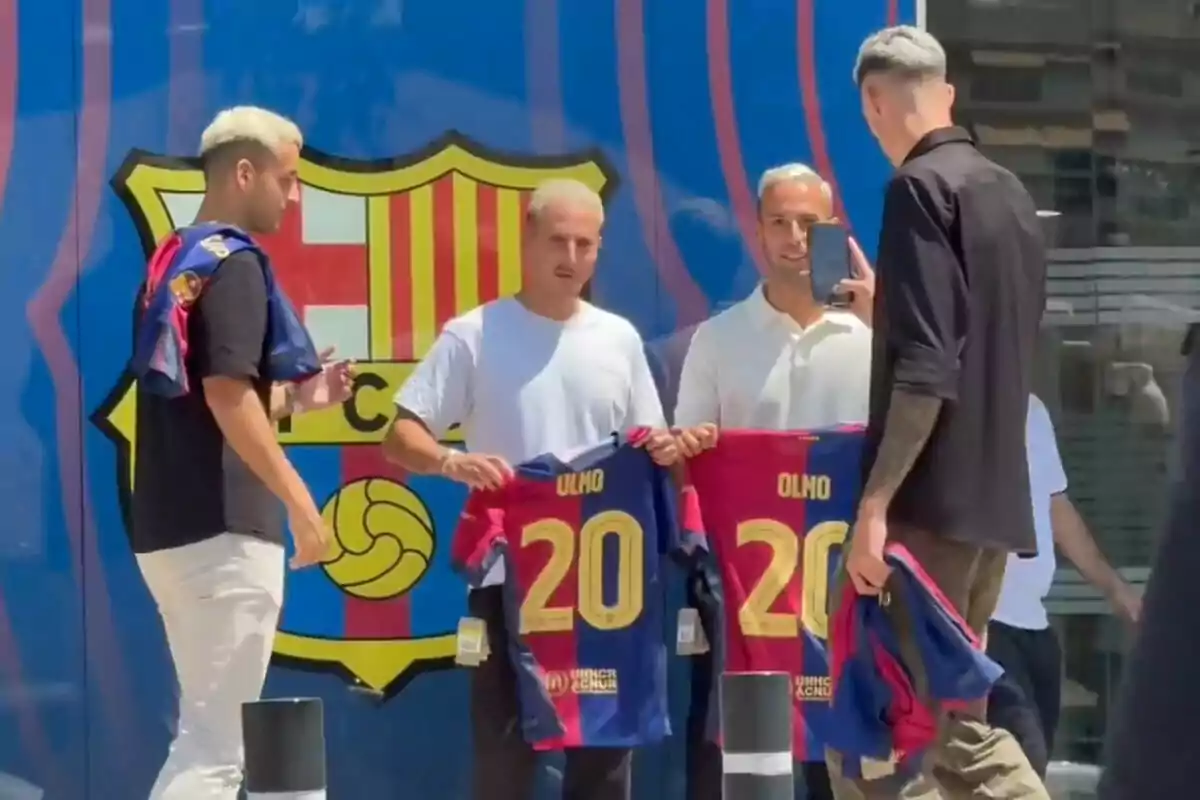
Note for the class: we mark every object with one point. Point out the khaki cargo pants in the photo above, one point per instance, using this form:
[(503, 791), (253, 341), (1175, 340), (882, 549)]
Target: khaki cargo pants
[(970, 759)]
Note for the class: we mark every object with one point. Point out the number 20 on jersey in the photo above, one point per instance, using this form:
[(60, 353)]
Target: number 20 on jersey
[(586, 551), (755, 616)]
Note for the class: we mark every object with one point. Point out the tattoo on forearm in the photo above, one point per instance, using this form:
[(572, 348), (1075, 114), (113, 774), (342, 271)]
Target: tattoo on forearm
[(910, 421)]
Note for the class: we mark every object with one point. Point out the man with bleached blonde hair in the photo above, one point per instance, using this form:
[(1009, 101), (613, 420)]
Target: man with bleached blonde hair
[(543, 372), (211, 480)]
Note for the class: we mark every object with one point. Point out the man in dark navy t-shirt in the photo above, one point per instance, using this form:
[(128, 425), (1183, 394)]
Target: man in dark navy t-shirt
[(209, 474)]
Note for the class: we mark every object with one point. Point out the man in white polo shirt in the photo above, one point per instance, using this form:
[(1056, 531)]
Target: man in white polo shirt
[(541, 372), (778, 360), (1026, 700)]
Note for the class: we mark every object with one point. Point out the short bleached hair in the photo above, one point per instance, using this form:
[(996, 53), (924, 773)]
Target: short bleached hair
[(800, 173), (564, 191), (251, 125)]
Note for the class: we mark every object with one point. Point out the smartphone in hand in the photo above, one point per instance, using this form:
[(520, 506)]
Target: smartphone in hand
[(829, 260)]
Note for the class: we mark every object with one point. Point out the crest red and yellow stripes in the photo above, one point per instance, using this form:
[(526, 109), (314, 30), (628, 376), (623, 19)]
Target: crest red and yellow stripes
[(438, 251)]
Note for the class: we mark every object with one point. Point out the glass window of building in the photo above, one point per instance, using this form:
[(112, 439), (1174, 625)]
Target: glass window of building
[(1095, 104)]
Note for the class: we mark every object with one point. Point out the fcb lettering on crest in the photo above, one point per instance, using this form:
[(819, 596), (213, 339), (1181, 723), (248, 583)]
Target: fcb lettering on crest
[(376, 256)]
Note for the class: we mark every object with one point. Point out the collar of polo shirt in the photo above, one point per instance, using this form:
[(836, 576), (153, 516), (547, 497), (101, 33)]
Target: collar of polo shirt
[(766, 314)]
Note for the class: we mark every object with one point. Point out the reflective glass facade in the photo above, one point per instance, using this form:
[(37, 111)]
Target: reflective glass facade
[(1096, 105)]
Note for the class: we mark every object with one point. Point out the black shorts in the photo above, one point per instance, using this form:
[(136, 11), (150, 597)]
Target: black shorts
[(1026, 700)]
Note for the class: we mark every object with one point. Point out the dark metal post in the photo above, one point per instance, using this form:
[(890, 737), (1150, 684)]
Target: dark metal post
[(285, 749), (756, 735)]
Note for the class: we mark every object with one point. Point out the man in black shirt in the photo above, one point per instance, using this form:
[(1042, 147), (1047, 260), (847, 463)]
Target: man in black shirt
[(210, 476), (959, 298)]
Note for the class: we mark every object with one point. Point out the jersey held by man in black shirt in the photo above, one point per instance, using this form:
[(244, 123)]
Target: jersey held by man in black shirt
[(960, 295), (189, 485)]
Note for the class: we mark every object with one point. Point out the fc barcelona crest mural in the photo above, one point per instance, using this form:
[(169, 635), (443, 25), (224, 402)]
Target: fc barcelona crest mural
[(376, 256)]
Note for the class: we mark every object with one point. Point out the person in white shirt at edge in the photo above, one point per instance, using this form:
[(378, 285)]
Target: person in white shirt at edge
[(1026, 700), (778, 360), (541, 372)]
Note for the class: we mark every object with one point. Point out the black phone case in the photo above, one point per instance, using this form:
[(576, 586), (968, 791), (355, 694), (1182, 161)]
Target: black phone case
[(829, 261)]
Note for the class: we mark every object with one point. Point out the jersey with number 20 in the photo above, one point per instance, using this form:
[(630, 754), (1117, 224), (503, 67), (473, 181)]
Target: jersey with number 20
[(582, 542), (777, 507)]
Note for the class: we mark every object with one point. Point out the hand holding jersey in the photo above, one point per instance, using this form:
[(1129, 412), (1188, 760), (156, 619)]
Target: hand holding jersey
[(694, 441), (476, 470), (661, 447), (865, 564)]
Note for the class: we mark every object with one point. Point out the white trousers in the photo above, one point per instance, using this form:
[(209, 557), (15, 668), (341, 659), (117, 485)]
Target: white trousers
[(219, 600)]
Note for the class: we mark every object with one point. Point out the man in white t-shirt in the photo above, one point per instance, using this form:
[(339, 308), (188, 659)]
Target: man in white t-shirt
[(541, 372), (1026, 700), (778, 360)]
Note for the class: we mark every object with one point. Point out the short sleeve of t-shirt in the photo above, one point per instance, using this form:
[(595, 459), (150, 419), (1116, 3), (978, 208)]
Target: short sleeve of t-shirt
[(1046, 472), (439, 390), (924, 292), (645, 408), (699, 401), (230, 320)]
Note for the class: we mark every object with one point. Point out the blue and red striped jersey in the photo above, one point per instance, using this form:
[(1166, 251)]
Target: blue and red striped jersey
[(583, 542), (877, 714), (175, 278), (777, 507)]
